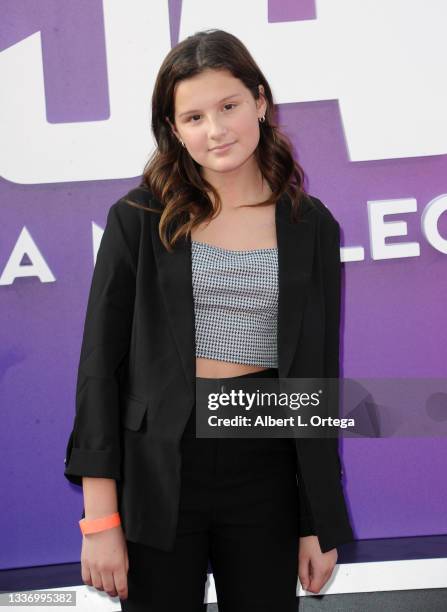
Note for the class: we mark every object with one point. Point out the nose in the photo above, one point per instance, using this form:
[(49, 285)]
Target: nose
[(216, 131)]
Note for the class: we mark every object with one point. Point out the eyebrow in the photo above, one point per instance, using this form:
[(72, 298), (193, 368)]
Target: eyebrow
[(220, 101)]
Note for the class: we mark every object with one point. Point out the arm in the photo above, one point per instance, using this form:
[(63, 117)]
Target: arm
[(93, 454), (306, 524), (104, 558), (94, 447), (100, 497), (315, 566), (331, 272), (318, 558), (332, 283)]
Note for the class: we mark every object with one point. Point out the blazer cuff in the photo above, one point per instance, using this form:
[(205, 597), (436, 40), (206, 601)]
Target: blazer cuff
[(93, 464), (339, 537), (306, 527)]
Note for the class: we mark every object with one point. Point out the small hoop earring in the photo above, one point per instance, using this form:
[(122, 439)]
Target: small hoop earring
[(183, 144), (262, 119)]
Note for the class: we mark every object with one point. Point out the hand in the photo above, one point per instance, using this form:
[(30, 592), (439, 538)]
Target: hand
[(315, 567), (104, 561)]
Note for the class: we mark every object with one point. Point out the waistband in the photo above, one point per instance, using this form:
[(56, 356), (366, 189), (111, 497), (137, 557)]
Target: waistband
[(223, 383)]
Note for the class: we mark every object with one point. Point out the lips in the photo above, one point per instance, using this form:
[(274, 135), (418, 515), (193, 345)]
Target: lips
[(221, 147)]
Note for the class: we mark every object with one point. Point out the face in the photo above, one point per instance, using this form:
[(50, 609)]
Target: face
[(214, 108)]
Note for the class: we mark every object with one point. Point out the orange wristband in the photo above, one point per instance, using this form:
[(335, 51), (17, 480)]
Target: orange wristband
[(100, 524)]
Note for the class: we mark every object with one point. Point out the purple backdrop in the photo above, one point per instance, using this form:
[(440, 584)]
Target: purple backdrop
[(394, 309)]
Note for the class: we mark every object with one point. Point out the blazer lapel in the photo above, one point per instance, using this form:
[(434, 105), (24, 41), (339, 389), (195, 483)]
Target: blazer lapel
[(295, 257), (175, 273)]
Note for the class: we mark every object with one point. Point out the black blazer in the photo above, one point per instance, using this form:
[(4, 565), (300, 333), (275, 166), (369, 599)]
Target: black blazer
[(136, 377)]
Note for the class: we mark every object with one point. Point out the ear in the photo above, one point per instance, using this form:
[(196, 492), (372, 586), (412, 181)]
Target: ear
[(261, 102), (174, 131)]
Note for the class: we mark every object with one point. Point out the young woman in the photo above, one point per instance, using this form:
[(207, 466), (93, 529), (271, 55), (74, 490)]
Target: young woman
[(218, 267)]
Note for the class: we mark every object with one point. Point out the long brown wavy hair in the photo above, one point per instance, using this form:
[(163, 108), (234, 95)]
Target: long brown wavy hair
[(172, 175)]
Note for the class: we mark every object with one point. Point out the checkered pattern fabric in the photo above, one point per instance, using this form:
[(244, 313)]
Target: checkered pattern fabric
[(236, 304)]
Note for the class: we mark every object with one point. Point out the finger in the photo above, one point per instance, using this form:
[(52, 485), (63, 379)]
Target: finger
[(303, 572), (86, 575), (315, 578), (108, 583), (314, 587), (120, 579), (96, 579), (318, 580)]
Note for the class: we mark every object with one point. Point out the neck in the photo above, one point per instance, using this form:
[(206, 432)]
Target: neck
[(239, 187)]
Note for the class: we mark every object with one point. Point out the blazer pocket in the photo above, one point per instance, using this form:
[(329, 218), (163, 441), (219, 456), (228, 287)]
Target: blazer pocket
[(133, 412)]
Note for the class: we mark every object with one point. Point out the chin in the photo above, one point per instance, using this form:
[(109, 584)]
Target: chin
[(226, 167)]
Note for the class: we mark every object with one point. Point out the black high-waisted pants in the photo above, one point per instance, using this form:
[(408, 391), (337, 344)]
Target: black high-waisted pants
[(239, 511)]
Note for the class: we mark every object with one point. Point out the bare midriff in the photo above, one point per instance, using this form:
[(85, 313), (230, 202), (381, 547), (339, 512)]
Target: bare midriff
[(213, 368)]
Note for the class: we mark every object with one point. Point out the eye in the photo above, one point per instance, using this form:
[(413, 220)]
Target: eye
[(190, 119)]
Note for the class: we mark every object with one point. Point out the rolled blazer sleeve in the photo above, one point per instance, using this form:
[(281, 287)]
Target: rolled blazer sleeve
[(94, 447)]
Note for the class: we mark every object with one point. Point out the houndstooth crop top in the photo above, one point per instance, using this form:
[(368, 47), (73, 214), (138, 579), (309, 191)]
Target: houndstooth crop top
[(235, 304)]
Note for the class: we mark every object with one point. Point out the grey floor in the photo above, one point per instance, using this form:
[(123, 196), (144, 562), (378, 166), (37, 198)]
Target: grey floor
[(428, 600)]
